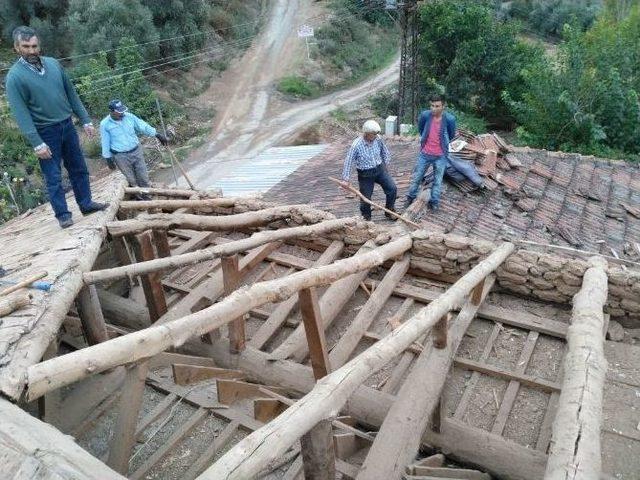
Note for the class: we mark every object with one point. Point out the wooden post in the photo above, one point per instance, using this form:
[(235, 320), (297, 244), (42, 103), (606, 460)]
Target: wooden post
[(439, 332), (151, 283), (330, 394), (161, 242), (123, 437), (231, 278), (575, 442), (90, 314), (314, 331), (476, 295), (318, 455)]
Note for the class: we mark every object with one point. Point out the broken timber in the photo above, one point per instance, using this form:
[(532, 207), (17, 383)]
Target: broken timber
[(329, 395), (61, 371), (575, 443)]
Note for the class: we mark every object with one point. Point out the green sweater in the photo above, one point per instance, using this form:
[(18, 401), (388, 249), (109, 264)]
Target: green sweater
[(41, 100)]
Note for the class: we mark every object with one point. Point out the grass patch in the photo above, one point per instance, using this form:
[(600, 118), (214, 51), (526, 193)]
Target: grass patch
[(298, 87)]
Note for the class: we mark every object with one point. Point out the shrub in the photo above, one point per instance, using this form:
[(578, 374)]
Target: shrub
[(297, 86)]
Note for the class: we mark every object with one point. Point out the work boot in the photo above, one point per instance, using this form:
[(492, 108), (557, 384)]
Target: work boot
[(407, 202), (94, 207), (434, 207), (366, 217), (65, 222)]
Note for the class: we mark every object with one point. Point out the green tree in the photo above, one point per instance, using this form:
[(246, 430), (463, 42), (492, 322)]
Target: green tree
[(101, 26), (135, 90), (466, 53)]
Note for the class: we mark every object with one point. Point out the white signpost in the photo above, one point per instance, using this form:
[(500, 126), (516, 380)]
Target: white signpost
[(306, 31)]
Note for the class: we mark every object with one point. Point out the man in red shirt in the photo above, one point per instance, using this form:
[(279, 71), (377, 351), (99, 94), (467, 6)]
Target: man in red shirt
[(437, 128)]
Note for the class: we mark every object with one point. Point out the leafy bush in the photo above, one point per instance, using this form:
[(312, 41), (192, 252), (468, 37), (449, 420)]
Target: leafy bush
[(588, 101), (548, 17), (297, 86)]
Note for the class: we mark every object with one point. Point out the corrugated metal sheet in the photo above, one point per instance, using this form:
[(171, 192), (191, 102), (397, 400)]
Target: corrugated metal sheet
[(258, 175)]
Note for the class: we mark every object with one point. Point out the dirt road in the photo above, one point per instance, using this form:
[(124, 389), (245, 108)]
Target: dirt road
[(248, 121)]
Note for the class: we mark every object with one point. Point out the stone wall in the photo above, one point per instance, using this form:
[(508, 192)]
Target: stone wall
[(543, 276)]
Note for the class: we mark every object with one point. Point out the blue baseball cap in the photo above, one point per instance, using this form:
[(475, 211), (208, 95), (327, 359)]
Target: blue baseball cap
[(117, 106)]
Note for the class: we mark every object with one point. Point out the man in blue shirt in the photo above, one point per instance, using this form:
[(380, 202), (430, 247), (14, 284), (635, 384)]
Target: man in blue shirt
[(371, 157), (120, 145)]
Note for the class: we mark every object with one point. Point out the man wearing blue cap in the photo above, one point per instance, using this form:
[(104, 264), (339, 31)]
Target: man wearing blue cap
[(43, 100), (120, 145)]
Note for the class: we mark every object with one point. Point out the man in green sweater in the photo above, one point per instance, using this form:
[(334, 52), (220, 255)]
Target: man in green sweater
[(42, 100)]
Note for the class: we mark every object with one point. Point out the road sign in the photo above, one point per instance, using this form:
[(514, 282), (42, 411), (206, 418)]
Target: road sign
[(305, 31)]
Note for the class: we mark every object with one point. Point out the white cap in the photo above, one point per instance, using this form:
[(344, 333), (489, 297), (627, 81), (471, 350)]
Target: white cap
[(371, 126)]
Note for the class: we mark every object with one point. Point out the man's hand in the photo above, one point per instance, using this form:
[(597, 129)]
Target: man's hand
[(43, 153), (89, 130), (110, 163), (162, 139), (345, 185)]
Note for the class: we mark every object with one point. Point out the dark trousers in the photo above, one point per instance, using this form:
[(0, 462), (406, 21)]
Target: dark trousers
[(64, 144), (366, 181)]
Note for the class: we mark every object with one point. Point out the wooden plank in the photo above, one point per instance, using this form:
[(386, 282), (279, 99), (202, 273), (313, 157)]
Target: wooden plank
[(177, 436), (401, 368), (294, 472), (544, 437), (231, 278), (206, 458), (529, 381), (452, 473), (399, 437), (511, 393), (199, 240), (189, 374), (166, 359), (123, 436), (230, 391), (161, 243), (475, 376), (277, 318), (357, 328), (314, 331), (90, 313), (151, 283), (266, 409), (155, 413), (439, 332)]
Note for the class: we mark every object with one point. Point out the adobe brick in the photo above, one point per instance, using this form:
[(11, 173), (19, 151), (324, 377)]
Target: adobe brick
[(565, 289), (511, 277), (630, 305), (550, 262), (456, 242), (571, 279), (550, 295), (541, 283), (516, 267), (514, 287)]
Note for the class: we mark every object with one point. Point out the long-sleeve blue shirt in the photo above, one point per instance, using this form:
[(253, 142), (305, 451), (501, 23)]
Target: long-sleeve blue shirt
[(122, 135), (365, 155)]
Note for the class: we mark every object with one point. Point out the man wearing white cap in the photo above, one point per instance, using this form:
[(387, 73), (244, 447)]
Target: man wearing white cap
[(120, 145), (371, 158)]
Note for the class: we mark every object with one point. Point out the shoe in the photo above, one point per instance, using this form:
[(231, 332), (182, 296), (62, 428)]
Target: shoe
[(391, 217), (94, 207), (434, 207), (367, 217), (65, 222), (407, 202)]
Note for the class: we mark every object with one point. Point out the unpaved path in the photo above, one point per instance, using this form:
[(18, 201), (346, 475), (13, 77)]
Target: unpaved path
[(248, 121)]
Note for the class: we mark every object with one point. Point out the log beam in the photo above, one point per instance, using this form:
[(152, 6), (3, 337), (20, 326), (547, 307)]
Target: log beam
[(166, 221), (11, 303), (90, 314), (331, 393), (172, 192), (226, 249), (575, 441), (173, 205), (63, 370), (151, 283), (231, 279), (279, 316), (314, 332)]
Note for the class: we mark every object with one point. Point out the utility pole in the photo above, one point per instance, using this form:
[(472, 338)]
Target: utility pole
[(408, 82)]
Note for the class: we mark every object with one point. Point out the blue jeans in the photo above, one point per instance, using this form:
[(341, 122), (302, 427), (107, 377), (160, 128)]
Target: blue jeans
[(439, 165), (366, 181), (64, 144)]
